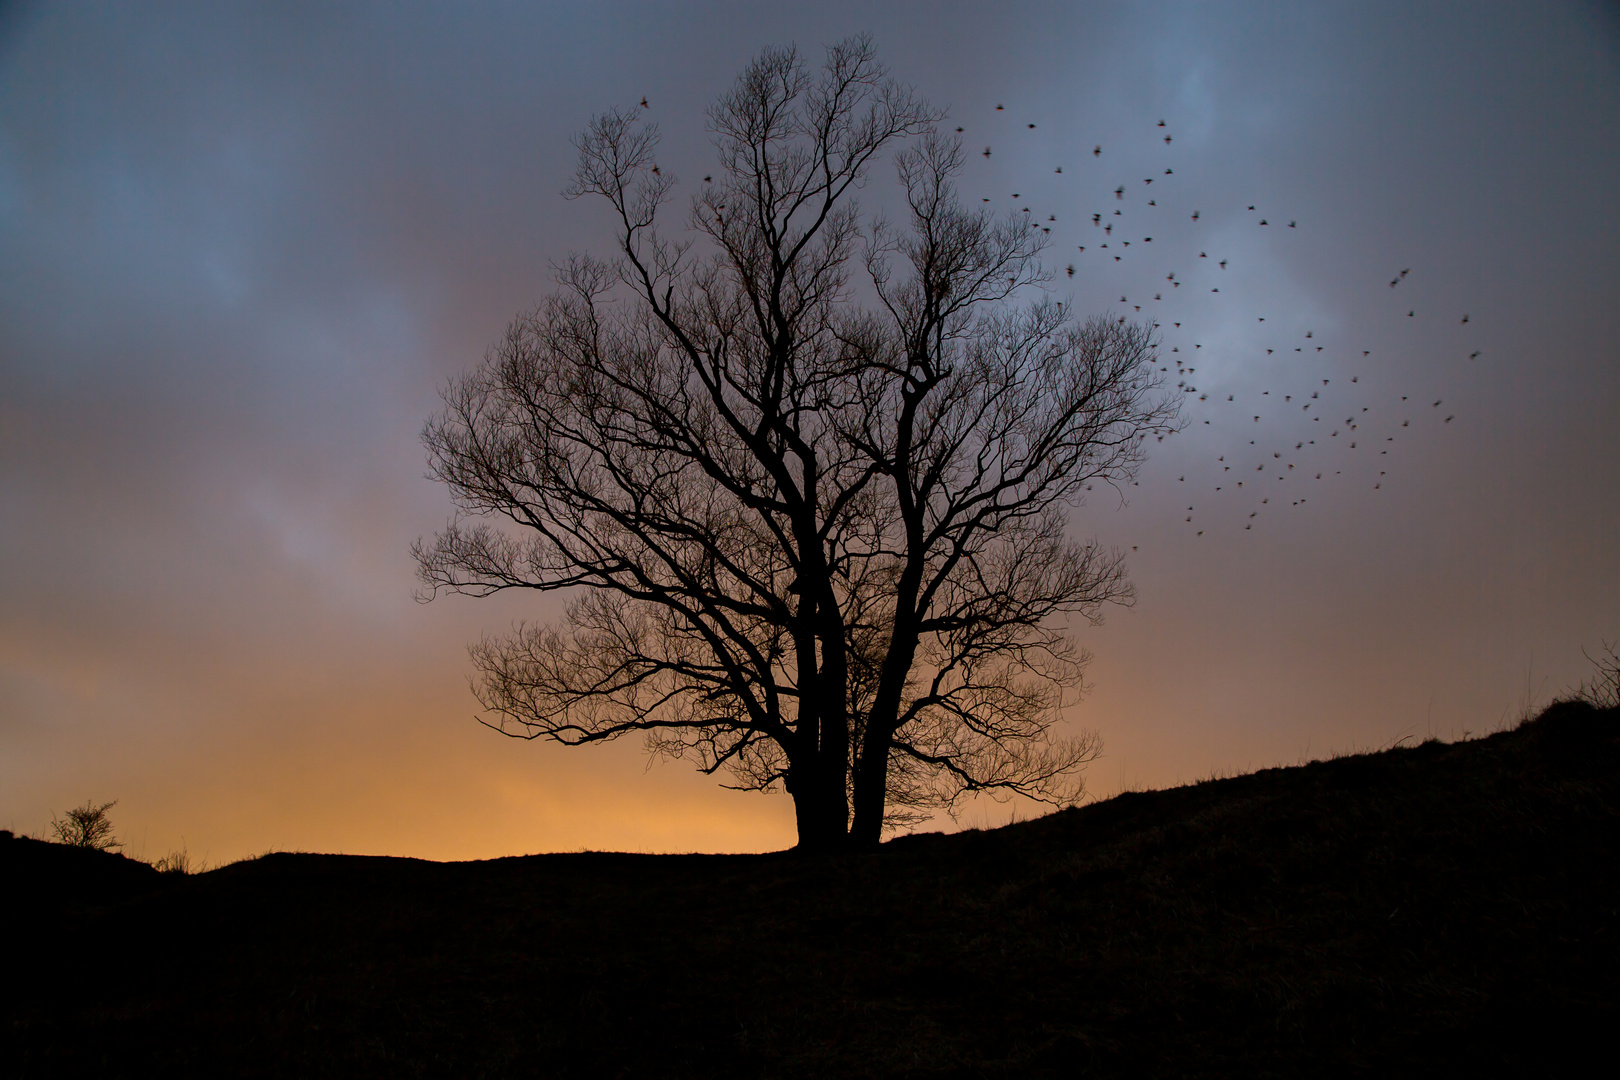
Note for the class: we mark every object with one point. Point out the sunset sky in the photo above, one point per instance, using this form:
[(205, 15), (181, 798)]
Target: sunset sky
[(243, 246)]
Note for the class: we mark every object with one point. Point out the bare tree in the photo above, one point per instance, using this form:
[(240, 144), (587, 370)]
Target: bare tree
[(806, 476), (87, 826)]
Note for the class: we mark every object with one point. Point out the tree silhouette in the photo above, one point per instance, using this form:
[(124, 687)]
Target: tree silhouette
[(87, 826), (805, 474)]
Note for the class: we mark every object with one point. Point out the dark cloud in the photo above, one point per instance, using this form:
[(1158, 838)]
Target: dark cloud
[(240, 249)]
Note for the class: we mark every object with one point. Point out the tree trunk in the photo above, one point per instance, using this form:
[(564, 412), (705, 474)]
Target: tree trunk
[(871, 780), (870, 796), (820, 809)]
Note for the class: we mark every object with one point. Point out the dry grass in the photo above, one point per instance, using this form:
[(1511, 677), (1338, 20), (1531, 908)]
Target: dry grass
[(1602, 690), (180, 862)]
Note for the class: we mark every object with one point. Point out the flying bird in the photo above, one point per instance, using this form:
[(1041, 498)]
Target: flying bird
[(644, 103)]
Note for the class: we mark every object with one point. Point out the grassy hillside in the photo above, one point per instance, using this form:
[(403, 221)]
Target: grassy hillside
[(1453, 906)]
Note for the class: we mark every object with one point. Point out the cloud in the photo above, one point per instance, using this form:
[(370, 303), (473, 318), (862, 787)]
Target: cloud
[(241, 249)]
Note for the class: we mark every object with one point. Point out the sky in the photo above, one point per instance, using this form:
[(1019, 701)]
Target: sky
[(243, 247)]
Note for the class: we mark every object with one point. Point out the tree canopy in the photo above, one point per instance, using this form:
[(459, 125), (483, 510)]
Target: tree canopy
[(806, 475)]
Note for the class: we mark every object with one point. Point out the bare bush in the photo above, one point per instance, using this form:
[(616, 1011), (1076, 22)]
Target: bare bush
[(1603, 688), (87, 826)]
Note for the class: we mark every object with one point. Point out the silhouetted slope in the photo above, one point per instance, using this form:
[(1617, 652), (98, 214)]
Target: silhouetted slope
[(42, 877), (1444, 905)]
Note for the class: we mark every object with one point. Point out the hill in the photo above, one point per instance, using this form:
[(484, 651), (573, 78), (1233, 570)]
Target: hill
[(1449, 906)]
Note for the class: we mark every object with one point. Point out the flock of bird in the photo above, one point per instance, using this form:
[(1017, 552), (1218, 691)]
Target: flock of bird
[(1293, 428), (1276, 429)]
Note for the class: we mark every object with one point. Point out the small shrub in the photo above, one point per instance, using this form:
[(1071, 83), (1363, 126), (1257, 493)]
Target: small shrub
[(178, 862), (87, 826), (1603, 689)]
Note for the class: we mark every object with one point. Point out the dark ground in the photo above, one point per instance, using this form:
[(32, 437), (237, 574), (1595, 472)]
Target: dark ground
[(1444, 908)]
